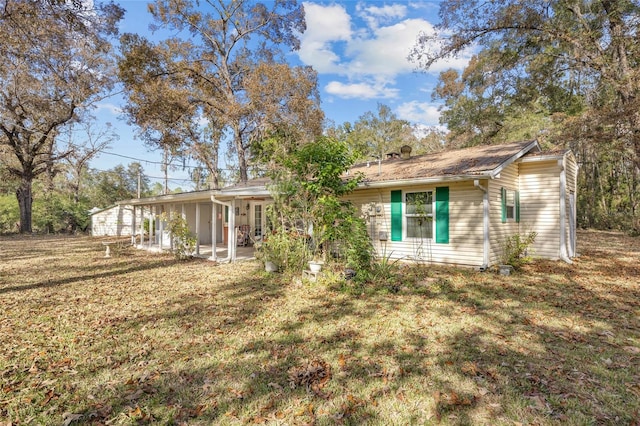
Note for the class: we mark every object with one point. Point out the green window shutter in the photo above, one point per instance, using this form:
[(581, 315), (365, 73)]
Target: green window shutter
[(226, 213), (517, 206), (442, 215), (396, 215), (503, 201)]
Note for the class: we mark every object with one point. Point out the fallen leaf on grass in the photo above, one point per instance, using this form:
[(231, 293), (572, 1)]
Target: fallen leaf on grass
[(70, 418), (135, 395), (275, 386), (314, 375), (48, 397), (138, 414), (342, 362), (538, 402), (470, 368), (305, 409)]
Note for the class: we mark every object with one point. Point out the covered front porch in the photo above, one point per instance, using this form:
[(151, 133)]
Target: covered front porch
[(206, 252), (231, 219)]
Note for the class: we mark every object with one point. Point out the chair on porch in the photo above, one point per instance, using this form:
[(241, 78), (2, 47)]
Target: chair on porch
[(242, 235)]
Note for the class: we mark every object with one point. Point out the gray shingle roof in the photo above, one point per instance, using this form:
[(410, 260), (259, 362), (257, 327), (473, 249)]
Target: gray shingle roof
[(475, 161)]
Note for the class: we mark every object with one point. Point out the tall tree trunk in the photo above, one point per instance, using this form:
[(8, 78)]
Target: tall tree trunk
[(242, 156), (25, 201)]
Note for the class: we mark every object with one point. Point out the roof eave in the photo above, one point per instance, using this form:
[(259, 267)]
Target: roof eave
[(423, 181), (255, 191), (547, 157), (534, 144), (159, 199)]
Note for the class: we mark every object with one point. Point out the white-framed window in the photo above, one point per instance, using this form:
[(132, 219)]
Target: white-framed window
[(510, 204), (419, 214), (510, 200)]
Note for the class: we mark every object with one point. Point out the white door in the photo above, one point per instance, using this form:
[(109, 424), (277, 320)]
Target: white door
[(258, 220)]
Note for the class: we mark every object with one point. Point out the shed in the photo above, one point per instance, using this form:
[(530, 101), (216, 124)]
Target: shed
[(113, 221)]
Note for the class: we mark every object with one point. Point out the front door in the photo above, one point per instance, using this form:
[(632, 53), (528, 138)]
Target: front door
[(258, 219)]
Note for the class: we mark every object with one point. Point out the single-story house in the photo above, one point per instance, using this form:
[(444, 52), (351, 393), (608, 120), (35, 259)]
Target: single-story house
[(453, 207), (113, 221)]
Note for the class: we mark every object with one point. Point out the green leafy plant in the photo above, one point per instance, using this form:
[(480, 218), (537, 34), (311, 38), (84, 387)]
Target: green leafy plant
[(309, 217), (9, 213), (385, 272), (285, 248), (516, 249), (184, 242)]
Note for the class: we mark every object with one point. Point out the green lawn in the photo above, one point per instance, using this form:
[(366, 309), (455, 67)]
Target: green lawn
[(141, 338)]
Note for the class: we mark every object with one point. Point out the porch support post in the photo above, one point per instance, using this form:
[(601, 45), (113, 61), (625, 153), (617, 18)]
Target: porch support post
[(152, 225), (230, 244), (160, 230), (141, 227), (214, 226), (197, 229), (133, 227), (231, 239), (172, 209)]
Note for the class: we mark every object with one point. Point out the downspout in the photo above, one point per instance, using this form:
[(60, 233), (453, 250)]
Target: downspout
[(485, 224), (564, 255), (230, 241)]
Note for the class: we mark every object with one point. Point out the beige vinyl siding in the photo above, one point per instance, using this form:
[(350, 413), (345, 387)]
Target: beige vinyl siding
[(465, 225), (571, 169), (114, 221), (498, 231), (540, 205)]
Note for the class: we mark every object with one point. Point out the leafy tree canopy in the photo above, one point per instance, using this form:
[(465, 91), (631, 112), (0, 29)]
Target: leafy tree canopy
[(224, 67), (55, 63)]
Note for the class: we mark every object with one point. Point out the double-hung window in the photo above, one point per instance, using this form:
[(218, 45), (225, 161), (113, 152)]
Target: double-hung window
[(419, 214), (510, 205)]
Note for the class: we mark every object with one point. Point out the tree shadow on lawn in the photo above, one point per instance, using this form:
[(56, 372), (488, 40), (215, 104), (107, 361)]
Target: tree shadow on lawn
[(543, 351), (182, 362), (558, 345), (547, 347), (24, 247), (110, 273)]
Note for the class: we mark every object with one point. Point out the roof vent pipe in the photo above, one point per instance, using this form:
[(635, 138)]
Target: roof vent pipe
[(405, 152)]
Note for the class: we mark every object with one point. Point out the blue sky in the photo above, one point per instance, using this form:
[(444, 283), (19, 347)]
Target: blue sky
[(358, 48)]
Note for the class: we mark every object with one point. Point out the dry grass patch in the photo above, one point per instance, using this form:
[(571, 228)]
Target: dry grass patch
[(142, 338)]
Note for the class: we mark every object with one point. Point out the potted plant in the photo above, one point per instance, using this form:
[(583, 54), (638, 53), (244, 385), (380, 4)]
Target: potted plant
[(273, 251), (315, 264)]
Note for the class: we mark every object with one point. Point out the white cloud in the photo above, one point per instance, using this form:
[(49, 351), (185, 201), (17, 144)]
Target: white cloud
[(375, 15), (360, 90), (109, 108), (332, 44), (419, 112), (326, 26), (371, 50), (386, 51), (422, 130)]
